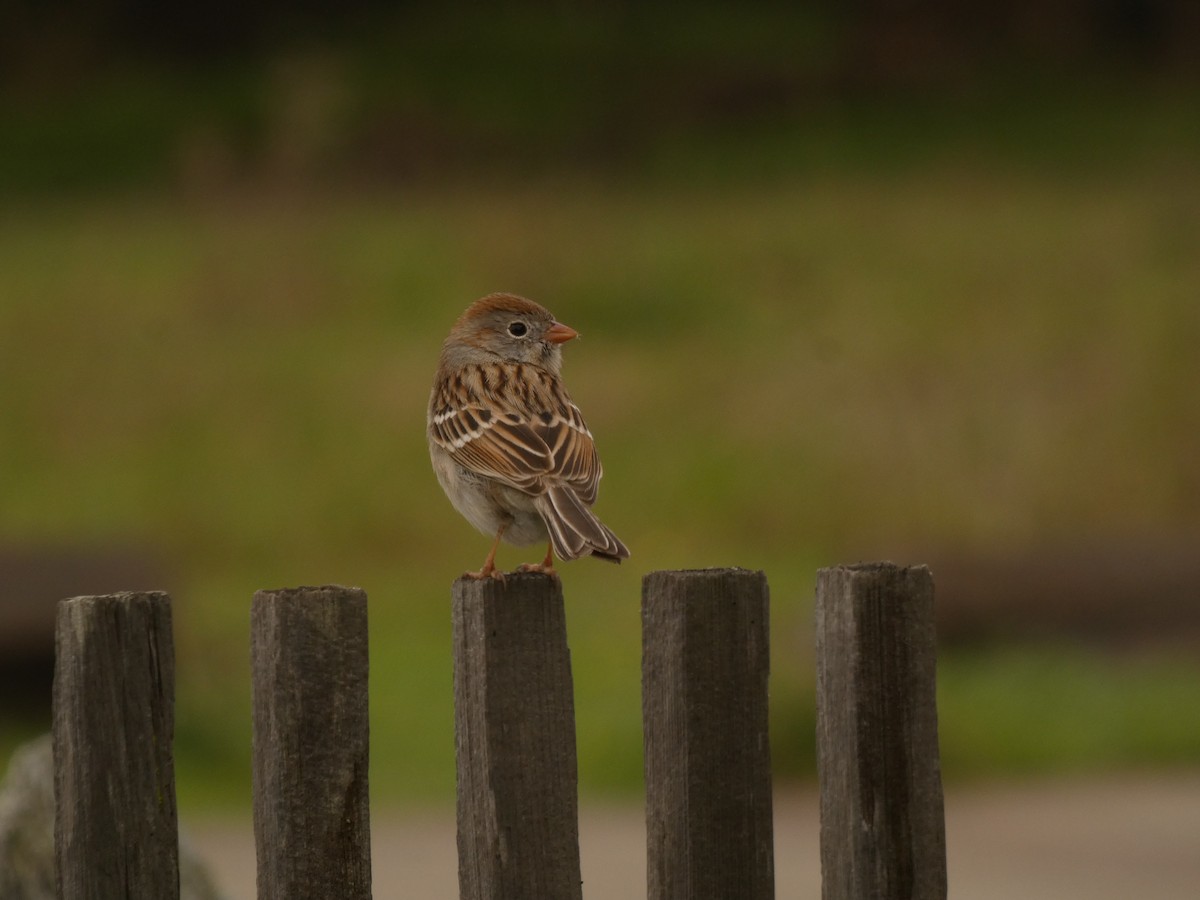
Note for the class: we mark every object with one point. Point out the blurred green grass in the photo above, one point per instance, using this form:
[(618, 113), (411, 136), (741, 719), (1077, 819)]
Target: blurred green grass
[(784, 371)]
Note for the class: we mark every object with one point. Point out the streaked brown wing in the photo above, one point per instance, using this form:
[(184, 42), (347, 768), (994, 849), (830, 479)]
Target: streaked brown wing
[(572, 450), (501, 447), (552, 445)]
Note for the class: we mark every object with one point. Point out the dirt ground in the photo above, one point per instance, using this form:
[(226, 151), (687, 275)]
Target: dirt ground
[(1109, 839)]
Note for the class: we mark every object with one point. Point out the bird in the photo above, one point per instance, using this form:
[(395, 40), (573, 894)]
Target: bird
[(508, 445)]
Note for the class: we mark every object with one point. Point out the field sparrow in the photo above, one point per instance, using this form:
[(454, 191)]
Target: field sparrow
[(509, 447)]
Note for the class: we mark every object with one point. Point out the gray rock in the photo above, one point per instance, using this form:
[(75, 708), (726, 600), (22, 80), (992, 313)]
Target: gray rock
[(27, 832)]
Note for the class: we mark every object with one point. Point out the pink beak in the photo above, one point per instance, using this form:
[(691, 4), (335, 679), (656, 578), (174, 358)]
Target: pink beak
[(559, 333)]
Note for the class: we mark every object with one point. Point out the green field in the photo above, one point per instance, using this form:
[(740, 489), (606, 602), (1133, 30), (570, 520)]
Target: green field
[(798, 350)]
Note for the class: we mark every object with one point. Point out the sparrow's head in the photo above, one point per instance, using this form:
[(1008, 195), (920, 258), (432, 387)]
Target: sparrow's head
[(510, 328)]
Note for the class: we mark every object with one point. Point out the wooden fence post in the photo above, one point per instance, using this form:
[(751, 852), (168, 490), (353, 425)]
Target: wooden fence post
[(705, 662), (514, 717), (308, 657), (116, 828), (883, 833)]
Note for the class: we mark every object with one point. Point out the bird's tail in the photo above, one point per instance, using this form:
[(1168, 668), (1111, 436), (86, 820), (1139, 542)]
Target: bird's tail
[(574, 529)]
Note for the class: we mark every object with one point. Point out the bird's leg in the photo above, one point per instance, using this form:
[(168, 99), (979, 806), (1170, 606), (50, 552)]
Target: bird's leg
[(489, 569), (547, 565)]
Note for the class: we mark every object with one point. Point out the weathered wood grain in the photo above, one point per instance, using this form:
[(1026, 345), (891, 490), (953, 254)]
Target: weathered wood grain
[(114, 775), (514, 714), (882, 822), (308, 650), (705, 665)]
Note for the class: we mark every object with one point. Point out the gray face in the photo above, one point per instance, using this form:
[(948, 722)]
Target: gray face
[(516, 337)]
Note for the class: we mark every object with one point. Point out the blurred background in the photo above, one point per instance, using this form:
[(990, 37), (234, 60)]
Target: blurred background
[(902, 280)]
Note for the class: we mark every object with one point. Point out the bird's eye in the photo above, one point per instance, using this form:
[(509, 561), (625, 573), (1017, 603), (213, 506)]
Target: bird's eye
[(518, 329)]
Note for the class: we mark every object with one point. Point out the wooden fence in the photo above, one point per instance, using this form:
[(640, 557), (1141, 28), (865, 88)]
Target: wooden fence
[(707, 757)]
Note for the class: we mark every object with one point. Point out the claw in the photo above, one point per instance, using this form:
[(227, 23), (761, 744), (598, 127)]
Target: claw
[(485, 573), (539, 569), (545, 567)]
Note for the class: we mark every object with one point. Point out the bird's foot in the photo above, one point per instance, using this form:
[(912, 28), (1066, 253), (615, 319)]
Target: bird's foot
[(538, 569), (545, 567), (485, 572)]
